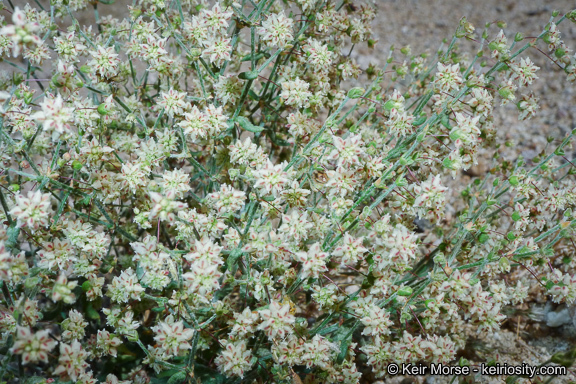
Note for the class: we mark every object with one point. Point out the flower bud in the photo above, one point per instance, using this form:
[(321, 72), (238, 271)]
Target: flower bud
[(56, 81), (103, 110), (559, 52), (505, 92), (17, 78), (86, 286), (233, 173), (504, 264), (366, 212), (439, 258)]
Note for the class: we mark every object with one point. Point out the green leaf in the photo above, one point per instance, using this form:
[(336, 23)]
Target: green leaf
[(405, 291), (329, 329), (445, 121), (177, 378), (249, 75), (421, 120), (369, 281), (12, 232), (92, 313), (35, 380), (344, 346), (356, 92), (256, 57), (483, 238), (233, 258), (389, 105), (246, 125)]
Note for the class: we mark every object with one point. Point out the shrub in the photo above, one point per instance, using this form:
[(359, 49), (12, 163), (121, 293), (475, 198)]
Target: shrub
[(198, 193)]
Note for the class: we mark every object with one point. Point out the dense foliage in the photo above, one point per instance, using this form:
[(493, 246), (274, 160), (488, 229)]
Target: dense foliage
[(202, 193)]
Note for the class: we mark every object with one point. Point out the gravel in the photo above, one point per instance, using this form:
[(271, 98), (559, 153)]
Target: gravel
[(424, 24)]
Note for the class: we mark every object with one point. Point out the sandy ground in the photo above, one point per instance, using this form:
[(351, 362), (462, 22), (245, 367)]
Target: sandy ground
[(424, 24)]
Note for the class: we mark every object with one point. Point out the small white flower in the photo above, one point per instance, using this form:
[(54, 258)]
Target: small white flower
[(525, 72), (235, 359), (72, 360), (105, 62), (125, 287), (277, 320), (34, 347), (172, 336), (227, 200), (350, 250), (55, 115), (448, 77), (313, 261), (295, 93), (276, 30), (74, 326), (62, 290), (22, 33), (173, 102), (217, 50), (271, 178), (163, 205)]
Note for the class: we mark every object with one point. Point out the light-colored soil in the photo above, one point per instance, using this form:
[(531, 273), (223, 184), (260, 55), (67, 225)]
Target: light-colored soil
[(424, 24)]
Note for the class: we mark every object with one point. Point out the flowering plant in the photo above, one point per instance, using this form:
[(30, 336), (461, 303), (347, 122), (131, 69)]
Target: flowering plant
[(196, 193)]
